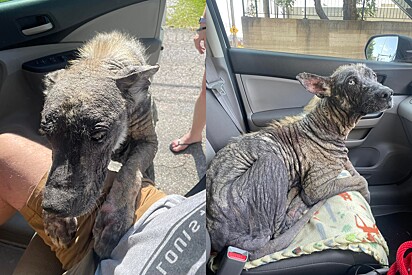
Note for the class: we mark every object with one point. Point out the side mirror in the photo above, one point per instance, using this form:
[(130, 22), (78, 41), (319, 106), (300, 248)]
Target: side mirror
[(389, 48)]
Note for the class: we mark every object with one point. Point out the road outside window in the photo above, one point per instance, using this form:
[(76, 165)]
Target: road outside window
[(316, 27)]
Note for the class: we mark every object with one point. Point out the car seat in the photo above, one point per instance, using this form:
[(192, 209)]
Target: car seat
[(219, 130), (38, 259)]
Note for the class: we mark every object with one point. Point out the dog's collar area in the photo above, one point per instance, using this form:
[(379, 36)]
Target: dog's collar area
[(114, 166)]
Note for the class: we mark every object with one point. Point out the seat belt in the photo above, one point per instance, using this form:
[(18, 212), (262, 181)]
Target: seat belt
[(217, 85), (233, 261)]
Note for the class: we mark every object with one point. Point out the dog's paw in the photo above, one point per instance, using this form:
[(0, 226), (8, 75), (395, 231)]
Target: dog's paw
[(60, 230), (360, 184), (366, 195), (110, 225), (365, 192), (295, 211)]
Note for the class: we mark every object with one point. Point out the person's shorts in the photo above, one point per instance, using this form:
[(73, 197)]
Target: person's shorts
[(83, 241)]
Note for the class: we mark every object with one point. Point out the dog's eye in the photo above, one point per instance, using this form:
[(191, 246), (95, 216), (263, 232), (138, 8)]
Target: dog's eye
[(374, 75), (98, 135), (351, 82)]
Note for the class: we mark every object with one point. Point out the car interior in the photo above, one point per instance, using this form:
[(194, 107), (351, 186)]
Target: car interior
[(261, 86), (39, 37)]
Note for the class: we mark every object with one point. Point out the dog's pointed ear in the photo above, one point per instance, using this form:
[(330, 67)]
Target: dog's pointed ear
[(318, 85), (50, 79), (137, 77)]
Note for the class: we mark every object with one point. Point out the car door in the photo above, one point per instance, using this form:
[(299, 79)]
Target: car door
[(259, 67), (39, 36)]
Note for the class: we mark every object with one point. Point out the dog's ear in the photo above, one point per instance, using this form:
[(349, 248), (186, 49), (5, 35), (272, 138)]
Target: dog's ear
[(136, 77), (50, 79), (318, 85)]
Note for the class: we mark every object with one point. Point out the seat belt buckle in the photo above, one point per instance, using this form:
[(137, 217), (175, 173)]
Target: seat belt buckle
[(233, 261), (217, 86)]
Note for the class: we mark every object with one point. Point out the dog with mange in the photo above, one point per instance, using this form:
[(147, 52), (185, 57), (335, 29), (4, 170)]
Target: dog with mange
[(262, 184), (98, 112)]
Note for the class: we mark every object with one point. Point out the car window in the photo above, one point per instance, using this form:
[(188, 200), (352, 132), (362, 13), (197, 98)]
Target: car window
[(320, 27)]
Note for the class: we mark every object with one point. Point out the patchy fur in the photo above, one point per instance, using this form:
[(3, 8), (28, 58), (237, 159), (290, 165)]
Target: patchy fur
[(97, 110), (290, 119), (260, 185)]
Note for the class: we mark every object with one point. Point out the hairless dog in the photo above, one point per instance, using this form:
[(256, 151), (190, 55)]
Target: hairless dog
[(261, 184), (97, 112)]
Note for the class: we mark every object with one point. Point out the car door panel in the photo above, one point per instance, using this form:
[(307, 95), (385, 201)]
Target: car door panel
[(385, 154), (139, 19), (20, 15), (143, 20), (266, 98), (19, 102), (263, 104)]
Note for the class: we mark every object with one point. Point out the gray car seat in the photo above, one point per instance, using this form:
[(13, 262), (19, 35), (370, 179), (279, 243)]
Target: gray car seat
[(219, 130)]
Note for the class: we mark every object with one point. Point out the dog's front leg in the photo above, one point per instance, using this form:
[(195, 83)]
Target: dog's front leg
[(117, 212), (143, 153), (363, 185), (317, 188), (116, 215)]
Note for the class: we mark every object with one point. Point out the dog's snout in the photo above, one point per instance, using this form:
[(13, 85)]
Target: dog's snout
[(48, 207), (58, 201), (386, 94), (58, 208)]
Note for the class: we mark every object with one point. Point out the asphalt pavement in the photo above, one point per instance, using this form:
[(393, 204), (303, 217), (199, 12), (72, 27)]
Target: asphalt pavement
[(175, 88)]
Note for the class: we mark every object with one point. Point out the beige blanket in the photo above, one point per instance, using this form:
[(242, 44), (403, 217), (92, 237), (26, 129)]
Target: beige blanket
[(344, 222)]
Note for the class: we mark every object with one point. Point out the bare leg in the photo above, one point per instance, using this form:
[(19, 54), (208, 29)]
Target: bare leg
[(22, 165), (199, 114), (198, 123)]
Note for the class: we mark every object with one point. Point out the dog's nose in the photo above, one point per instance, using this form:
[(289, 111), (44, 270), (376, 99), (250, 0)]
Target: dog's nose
[(387, 93), (55, 208), (50, 209)]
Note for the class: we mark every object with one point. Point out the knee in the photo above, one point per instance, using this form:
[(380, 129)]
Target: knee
[(18, 152), (10, 138), (6, 144), (7, 137), (11, 144)]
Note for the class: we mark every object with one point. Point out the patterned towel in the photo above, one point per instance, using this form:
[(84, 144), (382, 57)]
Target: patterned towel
[(344, 222)]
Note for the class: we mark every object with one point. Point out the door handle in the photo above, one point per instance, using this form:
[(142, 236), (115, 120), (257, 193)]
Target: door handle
[(38, 29), (36, 24)]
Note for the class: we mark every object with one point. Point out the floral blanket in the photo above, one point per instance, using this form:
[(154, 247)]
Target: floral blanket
[(344, 222)]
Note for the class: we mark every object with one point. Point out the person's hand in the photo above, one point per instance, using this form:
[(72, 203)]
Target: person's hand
[(200, 40)]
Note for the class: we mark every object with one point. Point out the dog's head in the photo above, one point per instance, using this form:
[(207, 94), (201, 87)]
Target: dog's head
[(353, 88), (85, 118)]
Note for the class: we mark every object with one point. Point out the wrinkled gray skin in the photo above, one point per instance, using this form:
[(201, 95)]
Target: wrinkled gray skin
[(98, 109), (260, 184)]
